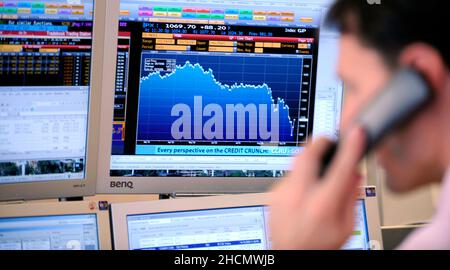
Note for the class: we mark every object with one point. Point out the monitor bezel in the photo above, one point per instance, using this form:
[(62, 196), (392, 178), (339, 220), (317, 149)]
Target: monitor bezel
[(107, 184), (120, 212), (77, 187), (64, 209)]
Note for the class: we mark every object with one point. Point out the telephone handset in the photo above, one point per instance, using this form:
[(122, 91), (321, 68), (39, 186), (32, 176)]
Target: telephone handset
[(402, 98)]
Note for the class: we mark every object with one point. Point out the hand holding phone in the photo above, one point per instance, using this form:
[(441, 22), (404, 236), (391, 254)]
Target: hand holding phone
[(401, 99)]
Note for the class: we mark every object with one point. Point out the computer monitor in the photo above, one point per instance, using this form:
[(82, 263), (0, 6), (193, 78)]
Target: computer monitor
[(237, 222), (55, 226), (394, 236), (48, 102), (216, 96)]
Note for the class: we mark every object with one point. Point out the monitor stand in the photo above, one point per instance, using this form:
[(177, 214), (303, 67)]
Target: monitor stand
[(12, 202), (71, 199), (166, 196)]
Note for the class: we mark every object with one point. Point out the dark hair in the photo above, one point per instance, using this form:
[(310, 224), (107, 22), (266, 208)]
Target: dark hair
[(394, 24)]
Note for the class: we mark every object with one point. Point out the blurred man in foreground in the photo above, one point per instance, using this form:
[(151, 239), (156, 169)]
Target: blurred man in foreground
[(312, 213)]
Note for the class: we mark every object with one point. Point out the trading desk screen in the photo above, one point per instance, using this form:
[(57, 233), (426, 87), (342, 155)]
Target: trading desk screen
[(45, 59), (244, 228), (210, 89), (67, 232)]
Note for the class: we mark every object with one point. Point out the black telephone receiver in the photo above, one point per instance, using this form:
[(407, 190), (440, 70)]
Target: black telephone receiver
[(402, 98)]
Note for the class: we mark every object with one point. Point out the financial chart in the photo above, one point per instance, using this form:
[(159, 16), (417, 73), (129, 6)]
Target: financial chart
[(266, 84), (218, 91)]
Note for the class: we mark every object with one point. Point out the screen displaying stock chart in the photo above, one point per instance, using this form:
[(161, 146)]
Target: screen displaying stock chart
[(221, 89)]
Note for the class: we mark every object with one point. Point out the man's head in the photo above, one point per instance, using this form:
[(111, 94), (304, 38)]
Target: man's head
[(376, 41)]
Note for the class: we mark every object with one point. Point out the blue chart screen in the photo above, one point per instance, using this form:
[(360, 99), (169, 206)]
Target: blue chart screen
[(269, 82), (219, 90)]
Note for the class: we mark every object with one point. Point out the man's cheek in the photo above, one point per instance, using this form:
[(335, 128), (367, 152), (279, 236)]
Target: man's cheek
[(389, 153), (354, 104)]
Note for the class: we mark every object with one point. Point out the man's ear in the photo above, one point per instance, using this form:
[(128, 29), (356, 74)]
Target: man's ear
[(428, 61)]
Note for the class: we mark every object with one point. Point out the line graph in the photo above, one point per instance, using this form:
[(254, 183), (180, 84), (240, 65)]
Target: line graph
[(169, 79)]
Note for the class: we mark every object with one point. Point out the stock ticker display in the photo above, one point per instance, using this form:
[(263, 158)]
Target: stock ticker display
[(58, 49), (45, 59)]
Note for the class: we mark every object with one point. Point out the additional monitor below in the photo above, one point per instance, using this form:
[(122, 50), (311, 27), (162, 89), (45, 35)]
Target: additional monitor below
[(64, 232), (360, 237), (242, 228), (232, 228)]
